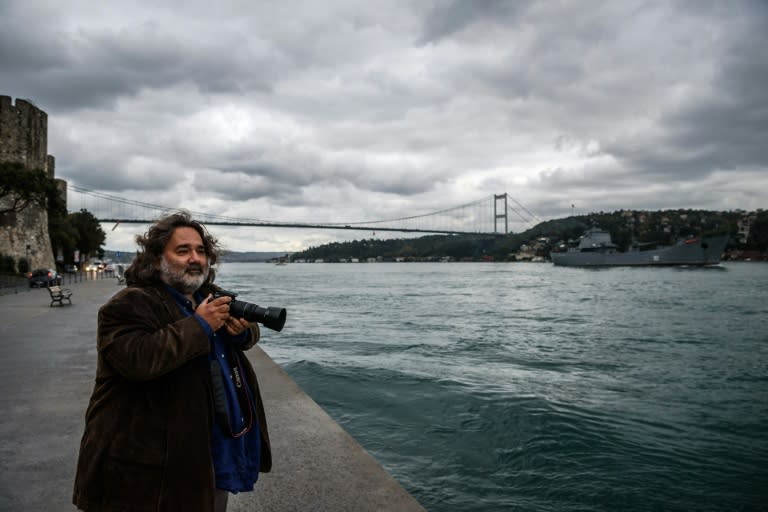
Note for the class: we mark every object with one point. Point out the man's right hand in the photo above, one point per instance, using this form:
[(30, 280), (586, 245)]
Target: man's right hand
[(214, 311)]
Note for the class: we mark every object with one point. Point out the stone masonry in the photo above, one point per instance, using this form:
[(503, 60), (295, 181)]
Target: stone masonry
[(24, 139)]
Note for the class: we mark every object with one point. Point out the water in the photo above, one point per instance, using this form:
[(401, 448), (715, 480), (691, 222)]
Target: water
[(488, 387)]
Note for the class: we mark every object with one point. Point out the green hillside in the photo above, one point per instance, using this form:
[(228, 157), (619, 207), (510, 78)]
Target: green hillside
[(626, 225)]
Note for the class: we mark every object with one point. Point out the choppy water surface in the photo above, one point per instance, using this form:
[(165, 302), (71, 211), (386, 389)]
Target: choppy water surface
[(487, 387)]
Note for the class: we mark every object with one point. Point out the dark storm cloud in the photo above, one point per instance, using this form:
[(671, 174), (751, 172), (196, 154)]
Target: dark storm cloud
[(94, 69), (235, 186), (22, 50), (590, 72), (99, 172), (50, 67), (447, 18), (278, 108), (283, 184), (723, 128)]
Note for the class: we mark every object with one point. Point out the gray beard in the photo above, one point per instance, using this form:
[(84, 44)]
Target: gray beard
[(179, 279)]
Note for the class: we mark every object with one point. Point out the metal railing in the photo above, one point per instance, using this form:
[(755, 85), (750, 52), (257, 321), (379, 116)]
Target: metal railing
[(10, 284)]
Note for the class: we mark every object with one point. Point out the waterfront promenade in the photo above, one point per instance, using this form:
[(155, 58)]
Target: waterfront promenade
[(47, 366)]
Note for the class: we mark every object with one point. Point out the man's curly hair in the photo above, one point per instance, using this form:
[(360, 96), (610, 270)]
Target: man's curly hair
[(144, 271)]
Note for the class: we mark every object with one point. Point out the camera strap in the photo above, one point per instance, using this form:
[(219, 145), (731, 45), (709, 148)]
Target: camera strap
[(221, 398)]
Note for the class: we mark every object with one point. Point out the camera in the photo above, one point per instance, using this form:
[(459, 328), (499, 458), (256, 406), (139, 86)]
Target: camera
[(273, 318)]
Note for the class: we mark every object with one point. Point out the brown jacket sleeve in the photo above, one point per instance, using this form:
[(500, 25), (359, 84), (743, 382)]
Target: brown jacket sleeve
[(138, 342), (253, 336)]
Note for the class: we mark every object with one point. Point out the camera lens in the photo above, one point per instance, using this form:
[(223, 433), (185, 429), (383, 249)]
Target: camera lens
[(273, 318)]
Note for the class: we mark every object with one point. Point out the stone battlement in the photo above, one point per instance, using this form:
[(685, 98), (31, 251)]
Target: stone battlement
[(24, 139), (24, 135)]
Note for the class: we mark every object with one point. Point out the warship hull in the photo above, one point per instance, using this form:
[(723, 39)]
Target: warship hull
[(694, 252)]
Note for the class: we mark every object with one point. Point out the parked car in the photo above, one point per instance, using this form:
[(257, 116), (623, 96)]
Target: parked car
[(70, 269), (44, 277)]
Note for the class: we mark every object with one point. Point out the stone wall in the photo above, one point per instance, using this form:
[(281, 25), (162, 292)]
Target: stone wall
[(28, 238), (24, 139)]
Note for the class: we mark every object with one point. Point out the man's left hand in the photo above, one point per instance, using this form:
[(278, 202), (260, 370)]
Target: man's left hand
[(236, 326)]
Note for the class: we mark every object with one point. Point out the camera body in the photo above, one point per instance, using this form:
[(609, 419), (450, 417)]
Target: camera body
[(273, 318)]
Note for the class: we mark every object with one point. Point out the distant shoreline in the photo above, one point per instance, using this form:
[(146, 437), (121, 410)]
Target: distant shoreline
[(251, 257)]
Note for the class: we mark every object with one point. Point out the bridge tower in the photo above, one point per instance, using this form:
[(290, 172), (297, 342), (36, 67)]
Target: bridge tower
[(497, 215)]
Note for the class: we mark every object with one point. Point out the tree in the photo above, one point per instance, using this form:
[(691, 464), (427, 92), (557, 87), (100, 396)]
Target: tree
[(64, 235), (90, 236), (21, 187), (759, 232)]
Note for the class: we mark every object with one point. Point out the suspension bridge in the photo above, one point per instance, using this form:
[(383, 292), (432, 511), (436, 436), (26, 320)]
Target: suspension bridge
[(489, 215)]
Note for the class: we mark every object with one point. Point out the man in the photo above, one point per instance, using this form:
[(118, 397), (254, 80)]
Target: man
[(176, 420)]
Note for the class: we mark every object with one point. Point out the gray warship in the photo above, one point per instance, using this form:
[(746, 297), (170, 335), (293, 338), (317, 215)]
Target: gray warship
[(596, 249)]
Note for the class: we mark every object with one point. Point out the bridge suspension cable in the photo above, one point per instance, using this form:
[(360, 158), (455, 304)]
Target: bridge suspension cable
[(476, 217)]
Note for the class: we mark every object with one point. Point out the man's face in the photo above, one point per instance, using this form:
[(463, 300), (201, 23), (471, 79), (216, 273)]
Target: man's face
[(184, 263)]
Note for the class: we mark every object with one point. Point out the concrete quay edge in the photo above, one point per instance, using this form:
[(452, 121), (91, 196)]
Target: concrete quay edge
[(47, 366)]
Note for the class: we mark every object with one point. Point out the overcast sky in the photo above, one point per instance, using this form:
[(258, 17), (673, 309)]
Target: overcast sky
[(342, 110)]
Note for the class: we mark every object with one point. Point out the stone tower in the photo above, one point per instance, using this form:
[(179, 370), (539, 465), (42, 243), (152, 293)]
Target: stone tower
[(24, 139)]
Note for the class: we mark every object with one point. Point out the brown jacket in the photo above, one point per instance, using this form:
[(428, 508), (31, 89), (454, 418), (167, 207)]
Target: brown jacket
[(146, 445)]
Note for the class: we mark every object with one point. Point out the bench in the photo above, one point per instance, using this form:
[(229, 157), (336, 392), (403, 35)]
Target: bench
[(59, 294)]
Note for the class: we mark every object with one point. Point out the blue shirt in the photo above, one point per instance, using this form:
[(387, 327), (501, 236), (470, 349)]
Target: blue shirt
[(235, 459)]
